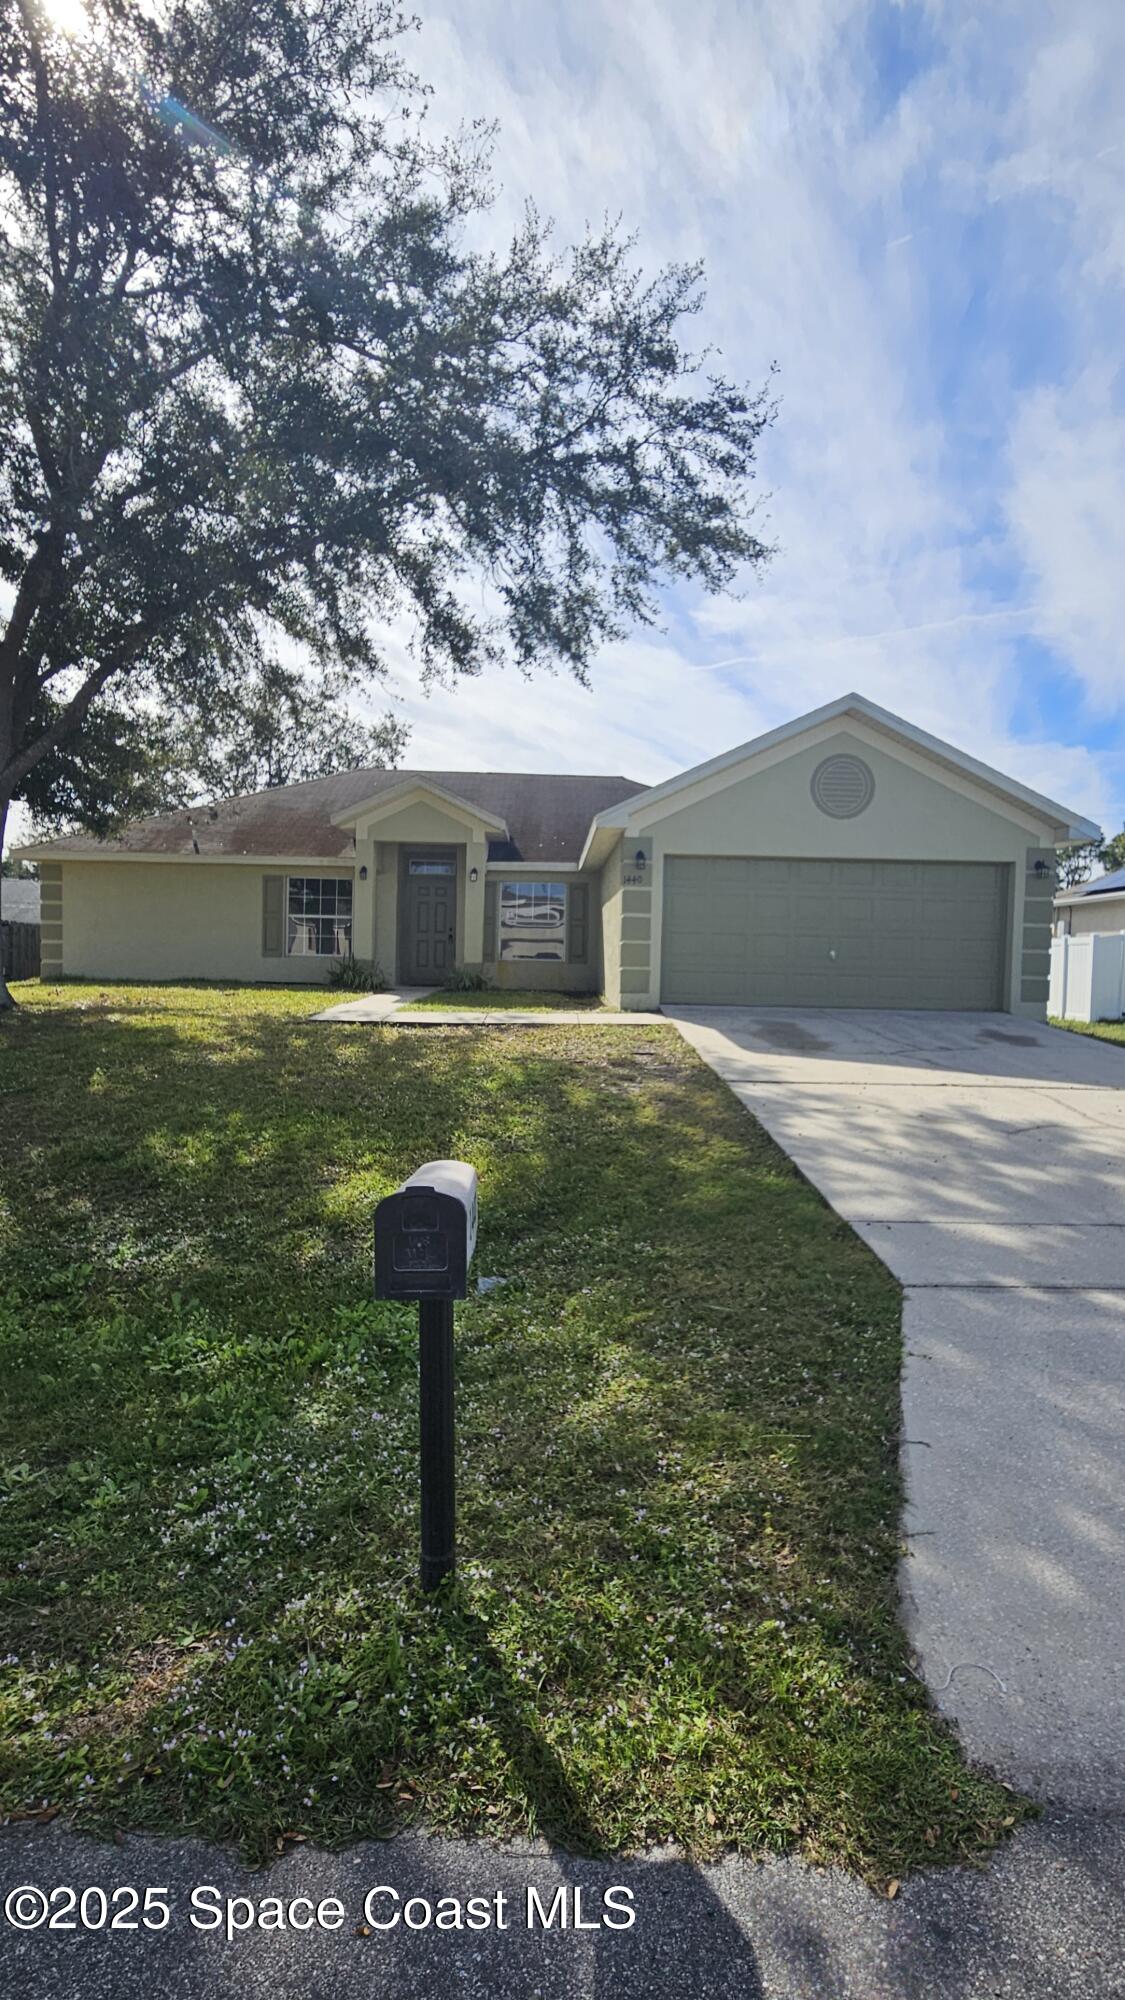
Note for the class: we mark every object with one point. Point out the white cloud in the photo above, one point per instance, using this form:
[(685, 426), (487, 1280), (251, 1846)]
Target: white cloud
[(835, 226), (1066, 507), (937, 274)]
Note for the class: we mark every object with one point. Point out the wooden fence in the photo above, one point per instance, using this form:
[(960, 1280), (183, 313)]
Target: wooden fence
[(20, 946)]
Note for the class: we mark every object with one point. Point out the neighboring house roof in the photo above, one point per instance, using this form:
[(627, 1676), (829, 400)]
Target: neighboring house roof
[(1066, 826), (547, 817), (19, 901), (1109, 885)]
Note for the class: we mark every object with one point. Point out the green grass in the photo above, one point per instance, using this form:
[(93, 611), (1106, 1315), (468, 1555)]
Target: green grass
[(675, 1616), (527, 1001), (1102, 1031)]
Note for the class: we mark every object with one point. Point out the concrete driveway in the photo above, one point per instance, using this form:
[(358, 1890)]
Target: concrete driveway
[(983, 1158)]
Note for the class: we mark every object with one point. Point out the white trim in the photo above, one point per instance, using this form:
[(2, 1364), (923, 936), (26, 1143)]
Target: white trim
[(870, 738), (1069, 899), (394, 798), (305, 877), (598, 839), (271, 863), (540, 869), (635, 811)]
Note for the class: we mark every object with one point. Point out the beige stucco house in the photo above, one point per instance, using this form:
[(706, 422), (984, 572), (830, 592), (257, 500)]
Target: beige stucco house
[(846, 859), (1094, 907)]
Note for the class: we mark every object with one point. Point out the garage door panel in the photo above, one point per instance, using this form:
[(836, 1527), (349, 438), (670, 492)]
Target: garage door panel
[(813, 912), (775, 932)]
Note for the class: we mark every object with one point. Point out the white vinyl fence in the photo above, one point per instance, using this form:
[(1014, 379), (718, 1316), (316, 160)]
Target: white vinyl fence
[(1088, 977)]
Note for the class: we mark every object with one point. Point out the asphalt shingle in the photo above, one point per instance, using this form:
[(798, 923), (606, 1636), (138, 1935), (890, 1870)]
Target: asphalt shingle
[(547, 815)]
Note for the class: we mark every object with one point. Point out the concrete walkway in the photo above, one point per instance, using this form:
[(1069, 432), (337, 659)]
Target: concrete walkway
[(983, 1157), (384, 1007), (373, 1006)]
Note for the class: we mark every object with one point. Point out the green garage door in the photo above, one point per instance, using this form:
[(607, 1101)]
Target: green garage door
[(756, 933)]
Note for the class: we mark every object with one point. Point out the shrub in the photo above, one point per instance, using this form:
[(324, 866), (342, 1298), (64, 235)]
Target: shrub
[(356, 975), (463, 979)]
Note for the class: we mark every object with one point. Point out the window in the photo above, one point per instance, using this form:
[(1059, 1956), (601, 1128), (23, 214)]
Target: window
[(533, 920), (319, 913), (433, 867)]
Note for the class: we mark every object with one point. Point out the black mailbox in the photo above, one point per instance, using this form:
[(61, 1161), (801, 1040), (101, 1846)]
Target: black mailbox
[(426, 1232)]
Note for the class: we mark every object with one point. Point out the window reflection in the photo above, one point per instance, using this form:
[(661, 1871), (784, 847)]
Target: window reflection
[(533, 920)]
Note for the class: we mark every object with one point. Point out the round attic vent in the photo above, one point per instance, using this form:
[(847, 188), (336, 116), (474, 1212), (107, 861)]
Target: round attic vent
[(843, 786)]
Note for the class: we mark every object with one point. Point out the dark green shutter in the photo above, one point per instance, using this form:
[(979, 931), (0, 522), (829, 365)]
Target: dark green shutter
[(491, 948), (273, 916), (578, 923)]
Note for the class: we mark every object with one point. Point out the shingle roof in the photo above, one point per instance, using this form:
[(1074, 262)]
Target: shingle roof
[(548, 816), (19, 901)]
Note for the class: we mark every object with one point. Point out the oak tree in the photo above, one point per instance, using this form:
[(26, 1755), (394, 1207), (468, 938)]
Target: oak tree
[(260, 387)]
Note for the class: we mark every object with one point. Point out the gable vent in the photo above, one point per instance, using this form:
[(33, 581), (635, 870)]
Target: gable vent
[(843, 786)]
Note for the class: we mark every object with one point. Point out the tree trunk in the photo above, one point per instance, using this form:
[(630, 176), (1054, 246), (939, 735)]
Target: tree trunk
[(6, 998)]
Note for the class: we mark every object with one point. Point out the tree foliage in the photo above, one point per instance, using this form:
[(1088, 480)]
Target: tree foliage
[(277, 728), (1113, 852), (257, 391), (1076, 864)]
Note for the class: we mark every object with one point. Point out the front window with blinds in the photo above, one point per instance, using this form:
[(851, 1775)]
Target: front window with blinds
[(319, 916), (533, 920)]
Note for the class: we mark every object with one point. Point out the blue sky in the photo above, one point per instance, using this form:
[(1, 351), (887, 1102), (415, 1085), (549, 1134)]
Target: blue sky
[(918, 211)]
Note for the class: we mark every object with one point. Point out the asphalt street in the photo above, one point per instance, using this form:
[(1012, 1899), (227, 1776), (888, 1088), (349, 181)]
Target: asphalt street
[(1045, 1919)]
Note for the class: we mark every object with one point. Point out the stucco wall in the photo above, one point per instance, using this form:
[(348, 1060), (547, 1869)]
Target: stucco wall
[(914, 816), (382, 843), (548, 975), (175, 920), (385, 935), (610, 901), (50, 919), (1099, 914), (420, 824)]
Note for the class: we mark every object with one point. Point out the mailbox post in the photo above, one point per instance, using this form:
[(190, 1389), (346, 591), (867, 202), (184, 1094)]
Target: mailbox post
[(425, 1235)]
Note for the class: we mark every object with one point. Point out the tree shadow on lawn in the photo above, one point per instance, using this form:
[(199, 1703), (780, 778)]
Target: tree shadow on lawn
[(678, 1473)]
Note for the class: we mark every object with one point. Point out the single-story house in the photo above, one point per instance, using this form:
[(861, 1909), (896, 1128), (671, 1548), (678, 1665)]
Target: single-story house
[(19, 900), (1093, 906), (19, 926), (846, 859)]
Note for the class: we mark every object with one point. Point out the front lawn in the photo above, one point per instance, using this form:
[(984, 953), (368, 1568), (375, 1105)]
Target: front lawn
[(1102, 1031), (675, 1617), (525, 1001)]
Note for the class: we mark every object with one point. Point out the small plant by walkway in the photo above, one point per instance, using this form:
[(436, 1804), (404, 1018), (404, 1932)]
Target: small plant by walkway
[(676, 1612), (1102, 1031)]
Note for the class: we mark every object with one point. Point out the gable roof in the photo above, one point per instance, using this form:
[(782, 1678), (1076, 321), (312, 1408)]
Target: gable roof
[(547, 817), (412, 785), (1067, 825)]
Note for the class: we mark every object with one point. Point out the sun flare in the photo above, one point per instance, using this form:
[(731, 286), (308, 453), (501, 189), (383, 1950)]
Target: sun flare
[(69, 17)]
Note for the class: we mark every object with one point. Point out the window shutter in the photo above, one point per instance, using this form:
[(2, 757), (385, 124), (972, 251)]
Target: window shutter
[(578, 922), (491, 948), (273, 916)]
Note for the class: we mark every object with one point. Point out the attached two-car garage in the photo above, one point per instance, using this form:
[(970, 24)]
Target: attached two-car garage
[(846, 859), (753, 931)]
